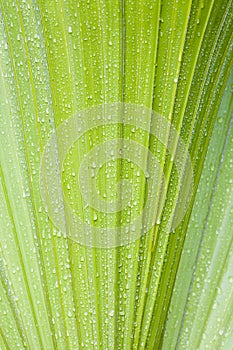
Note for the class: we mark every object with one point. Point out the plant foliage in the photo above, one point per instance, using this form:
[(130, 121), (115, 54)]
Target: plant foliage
[(171, 288)]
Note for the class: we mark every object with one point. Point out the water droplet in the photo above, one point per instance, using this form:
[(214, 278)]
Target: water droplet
[(111, 313)]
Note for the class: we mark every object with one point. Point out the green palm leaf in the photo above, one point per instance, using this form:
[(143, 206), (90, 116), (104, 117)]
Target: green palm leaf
[(81, 80)]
